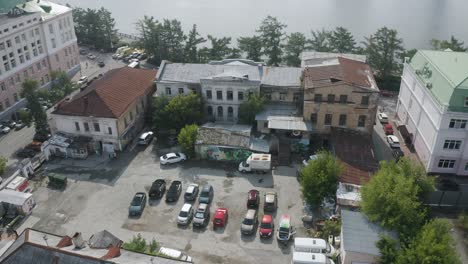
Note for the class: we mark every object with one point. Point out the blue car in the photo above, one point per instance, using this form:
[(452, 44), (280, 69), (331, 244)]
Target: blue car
[(138, 204)]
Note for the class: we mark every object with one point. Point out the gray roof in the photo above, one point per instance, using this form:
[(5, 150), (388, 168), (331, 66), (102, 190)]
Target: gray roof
[(224, 135), (282, 76), (104, 239), (360, 235)]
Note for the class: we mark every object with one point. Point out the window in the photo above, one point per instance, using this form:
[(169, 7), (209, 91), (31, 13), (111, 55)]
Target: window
[(35, 52), (230, 112), (443, 163), (365, 100), (209, 110), (125, 122), (219, 95), (268, 96), (2, 86), (77, 126), (7, 66), (343, 99), (282, 96), (328, 119), (220, 111), (86, 126), (57, 57), (265, 124), (8, 43), (36, 31), (27, 56), (168, 91), (7, 102), (361, 121), (240, 96), (296, 97), (313, 118), (38, 65), (15, 96), (17, 39), (23, 37), (457, 123), (331, 99), (131, 116), (109, 130), (181, 90), (230, 96), (466, 101), (2, 46), (13, 63), (452, 144), (53, 43), (21, 58), (96, 127), (318, 98), (342, 121), (208, 94), (51, 28)]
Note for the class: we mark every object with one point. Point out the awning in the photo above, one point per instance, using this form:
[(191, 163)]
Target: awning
[(289, 123)]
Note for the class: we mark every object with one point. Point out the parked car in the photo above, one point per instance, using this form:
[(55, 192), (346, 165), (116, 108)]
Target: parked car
[(26, 153), (444, 184), (191, 192), (170, 158), (19, 125), (175, 254), (91, 57), (266, 226), (35, 145), (311, 157), (157, 189), (393, 141), (173, 193), (138, 204), (253, 199), (142, 56), (41, 137), (202, 216), (271, 202), (397, 154), (9, 123), (206, 194), (250, 222), (4, 129), (221, 217), (285, 231), (388, 129), (185, 214), (383, 118), (101, 64), (82, 81), (145, 138), (133, 60)]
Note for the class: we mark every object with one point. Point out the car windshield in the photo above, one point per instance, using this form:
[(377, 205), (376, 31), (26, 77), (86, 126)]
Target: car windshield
[(283, 231), (218, 220), (199, 215), (247, 221), (177, 155), (165, 157), (136, 201), (265, 225), (183, 214), (204, 194)]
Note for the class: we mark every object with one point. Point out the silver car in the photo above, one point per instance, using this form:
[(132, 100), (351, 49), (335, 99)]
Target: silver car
[(202, 216), (185, 215), (250, 222)]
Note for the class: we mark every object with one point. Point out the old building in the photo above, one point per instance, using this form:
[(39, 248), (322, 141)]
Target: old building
[(432, 109), (111, 111), (36, 38), (341, 93)]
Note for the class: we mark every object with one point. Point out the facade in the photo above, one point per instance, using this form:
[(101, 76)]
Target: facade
[(110, 112), (432, 109), (36, 38), (342, 93)]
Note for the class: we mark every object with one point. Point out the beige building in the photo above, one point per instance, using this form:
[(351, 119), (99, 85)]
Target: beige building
[(340, 94), (36, 38)]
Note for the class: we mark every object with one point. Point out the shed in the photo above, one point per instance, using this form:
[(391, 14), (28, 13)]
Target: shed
[(24, 202)]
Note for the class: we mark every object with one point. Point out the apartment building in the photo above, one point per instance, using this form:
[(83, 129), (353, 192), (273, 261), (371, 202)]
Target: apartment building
[(432, 109), (36, 38)]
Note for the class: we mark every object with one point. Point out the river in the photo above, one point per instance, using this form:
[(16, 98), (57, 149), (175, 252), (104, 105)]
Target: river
[(417, 21)]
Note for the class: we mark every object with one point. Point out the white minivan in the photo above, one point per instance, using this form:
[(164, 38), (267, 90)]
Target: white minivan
[(310, 258), (313, 245)]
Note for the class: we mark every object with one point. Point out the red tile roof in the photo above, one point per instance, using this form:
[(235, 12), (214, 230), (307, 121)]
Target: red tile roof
[(348, 71), (111, 95)]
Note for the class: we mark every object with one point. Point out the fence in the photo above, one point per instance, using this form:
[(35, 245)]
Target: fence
[(448, 199)]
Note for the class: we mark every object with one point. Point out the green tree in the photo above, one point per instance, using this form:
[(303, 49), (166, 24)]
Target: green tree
[(319, 179), (61, 86), (172, 40), (252, 46), (453, 44), (153, 246), (137, 244), (320, 40), (341, 40), (408, 54), (248, 109), (331, 228), (295, 45), (432, 245), (187, 137), (177, 112), (271, 34), (3, 163), (393, 197), (219, 48), (388, 248), (24, 116), (95, 27), (36, 110), (191, 46), (160, 119), (150, 32), (383, 50)]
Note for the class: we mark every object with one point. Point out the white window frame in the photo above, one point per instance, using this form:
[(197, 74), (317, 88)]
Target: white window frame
[(452, 144), (446, 164)]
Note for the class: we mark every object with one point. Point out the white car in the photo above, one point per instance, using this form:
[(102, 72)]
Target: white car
[(185, 215), (383, 118), (311, 157), (82, 80), (172, 158), (393, 141), (4, 129), (91, 56)]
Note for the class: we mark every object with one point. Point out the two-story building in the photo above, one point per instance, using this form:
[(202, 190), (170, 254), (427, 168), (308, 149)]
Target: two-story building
[(341, 93), (432, 109), (110, 112)]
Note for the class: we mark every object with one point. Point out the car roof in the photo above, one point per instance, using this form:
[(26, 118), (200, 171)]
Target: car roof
[(206, 187), (267, 219), (310, 242), (383, 114), (170, 155), (190, 189), (285, 221), (393, 138), (250, 214), (144, 135), (388, 126), (202, 207), (186, 207), (253, 194), (270, 197)]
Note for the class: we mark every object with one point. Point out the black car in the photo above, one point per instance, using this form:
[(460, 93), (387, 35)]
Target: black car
[(397, 154), (101, 64), (26, 153), (41, 137), (174, 191), (157, 189), (142, 56), (443, 184)]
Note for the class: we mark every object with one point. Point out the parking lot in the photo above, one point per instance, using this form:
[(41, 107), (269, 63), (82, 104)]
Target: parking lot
[(99, 197)]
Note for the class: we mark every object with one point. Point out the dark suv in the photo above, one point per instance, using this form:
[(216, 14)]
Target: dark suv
[(253, 199), (157, 189)]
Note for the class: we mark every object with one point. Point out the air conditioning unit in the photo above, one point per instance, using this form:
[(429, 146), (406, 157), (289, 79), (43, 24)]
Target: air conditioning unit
[(429, 85)]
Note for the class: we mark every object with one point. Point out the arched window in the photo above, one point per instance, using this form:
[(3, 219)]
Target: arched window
[(209, 110), (230, 112), (220, 111)]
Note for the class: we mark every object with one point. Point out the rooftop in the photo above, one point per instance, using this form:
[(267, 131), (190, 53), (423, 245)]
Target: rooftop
[(282, 76), (110, 96), (315, 58), (224, 135), (42, 7)]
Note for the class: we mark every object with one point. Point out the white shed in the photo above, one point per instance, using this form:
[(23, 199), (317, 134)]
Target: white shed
[(23, 201)]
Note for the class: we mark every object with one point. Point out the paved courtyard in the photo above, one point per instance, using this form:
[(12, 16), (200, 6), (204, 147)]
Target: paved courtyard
[(98, 197)]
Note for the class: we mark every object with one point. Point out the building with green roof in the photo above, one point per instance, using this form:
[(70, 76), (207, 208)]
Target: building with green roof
[(432, 109)]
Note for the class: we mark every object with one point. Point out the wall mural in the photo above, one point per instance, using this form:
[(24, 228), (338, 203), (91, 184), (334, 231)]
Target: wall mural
[(223, 153)]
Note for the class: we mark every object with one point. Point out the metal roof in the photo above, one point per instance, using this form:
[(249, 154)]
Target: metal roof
[(289, 123), (282, 76), (14, 197), (360, 235)]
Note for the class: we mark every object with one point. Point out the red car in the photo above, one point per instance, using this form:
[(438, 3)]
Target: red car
[(388, 129), (253, 199), (266, 226), (221, 217)]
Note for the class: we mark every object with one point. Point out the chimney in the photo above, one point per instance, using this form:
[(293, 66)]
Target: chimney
[(78, 241), (65, 242), (113, 252)]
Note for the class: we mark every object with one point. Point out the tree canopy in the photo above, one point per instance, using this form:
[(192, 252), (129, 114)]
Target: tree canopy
[(319, 179), (248, 109), (95, 27), (271, 33), (39, 115), (177, 112), (252, 46), (295, 45), (453, 44), (191, 46), (3, 163), (187, 137), (320, 40), (341, 40)]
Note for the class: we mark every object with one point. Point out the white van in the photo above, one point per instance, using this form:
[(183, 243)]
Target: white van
[(145, 138), (176, 254), (310, 258), (313, 245)]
